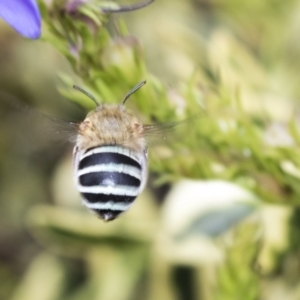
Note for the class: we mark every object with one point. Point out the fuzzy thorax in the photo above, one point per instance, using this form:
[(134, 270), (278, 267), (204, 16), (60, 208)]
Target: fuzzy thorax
[(111, 125)]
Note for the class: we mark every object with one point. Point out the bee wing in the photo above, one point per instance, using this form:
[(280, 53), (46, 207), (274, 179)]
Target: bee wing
[(171, 133), (161, 133), (32, 129), (58, 129), (164, 130), (156, 128)]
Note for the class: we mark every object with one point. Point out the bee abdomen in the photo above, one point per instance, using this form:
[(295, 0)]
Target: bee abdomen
[(109, 179)]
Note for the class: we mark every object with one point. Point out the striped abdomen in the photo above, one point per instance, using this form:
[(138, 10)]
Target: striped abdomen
[(109, 178)]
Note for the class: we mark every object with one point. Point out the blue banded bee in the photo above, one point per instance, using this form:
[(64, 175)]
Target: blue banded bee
[(110, 158), (110, 153)]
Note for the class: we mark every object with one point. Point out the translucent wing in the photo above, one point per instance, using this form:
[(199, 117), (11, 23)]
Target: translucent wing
[(163, 131), (32, 129)]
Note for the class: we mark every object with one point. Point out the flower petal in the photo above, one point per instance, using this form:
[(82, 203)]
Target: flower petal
[(23, 16)]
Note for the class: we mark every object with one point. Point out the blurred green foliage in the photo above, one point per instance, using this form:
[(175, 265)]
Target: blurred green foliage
[(230, 69), (226, 135)]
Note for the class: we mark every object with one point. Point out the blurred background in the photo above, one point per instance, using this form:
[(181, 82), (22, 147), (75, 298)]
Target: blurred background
[(230, 231)]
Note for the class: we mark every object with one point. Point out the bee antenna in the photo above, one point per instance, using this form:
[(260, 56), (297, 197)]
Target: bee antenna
[(134, 89), (76, 87)]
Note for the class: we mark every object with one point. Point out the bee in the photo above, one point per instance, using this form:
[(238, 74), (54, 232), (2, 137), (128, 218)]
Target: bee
[(110, 158)]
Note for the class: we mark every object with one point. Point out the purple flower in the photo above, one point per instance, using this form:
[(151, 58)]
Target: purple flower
[(23, 16)]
